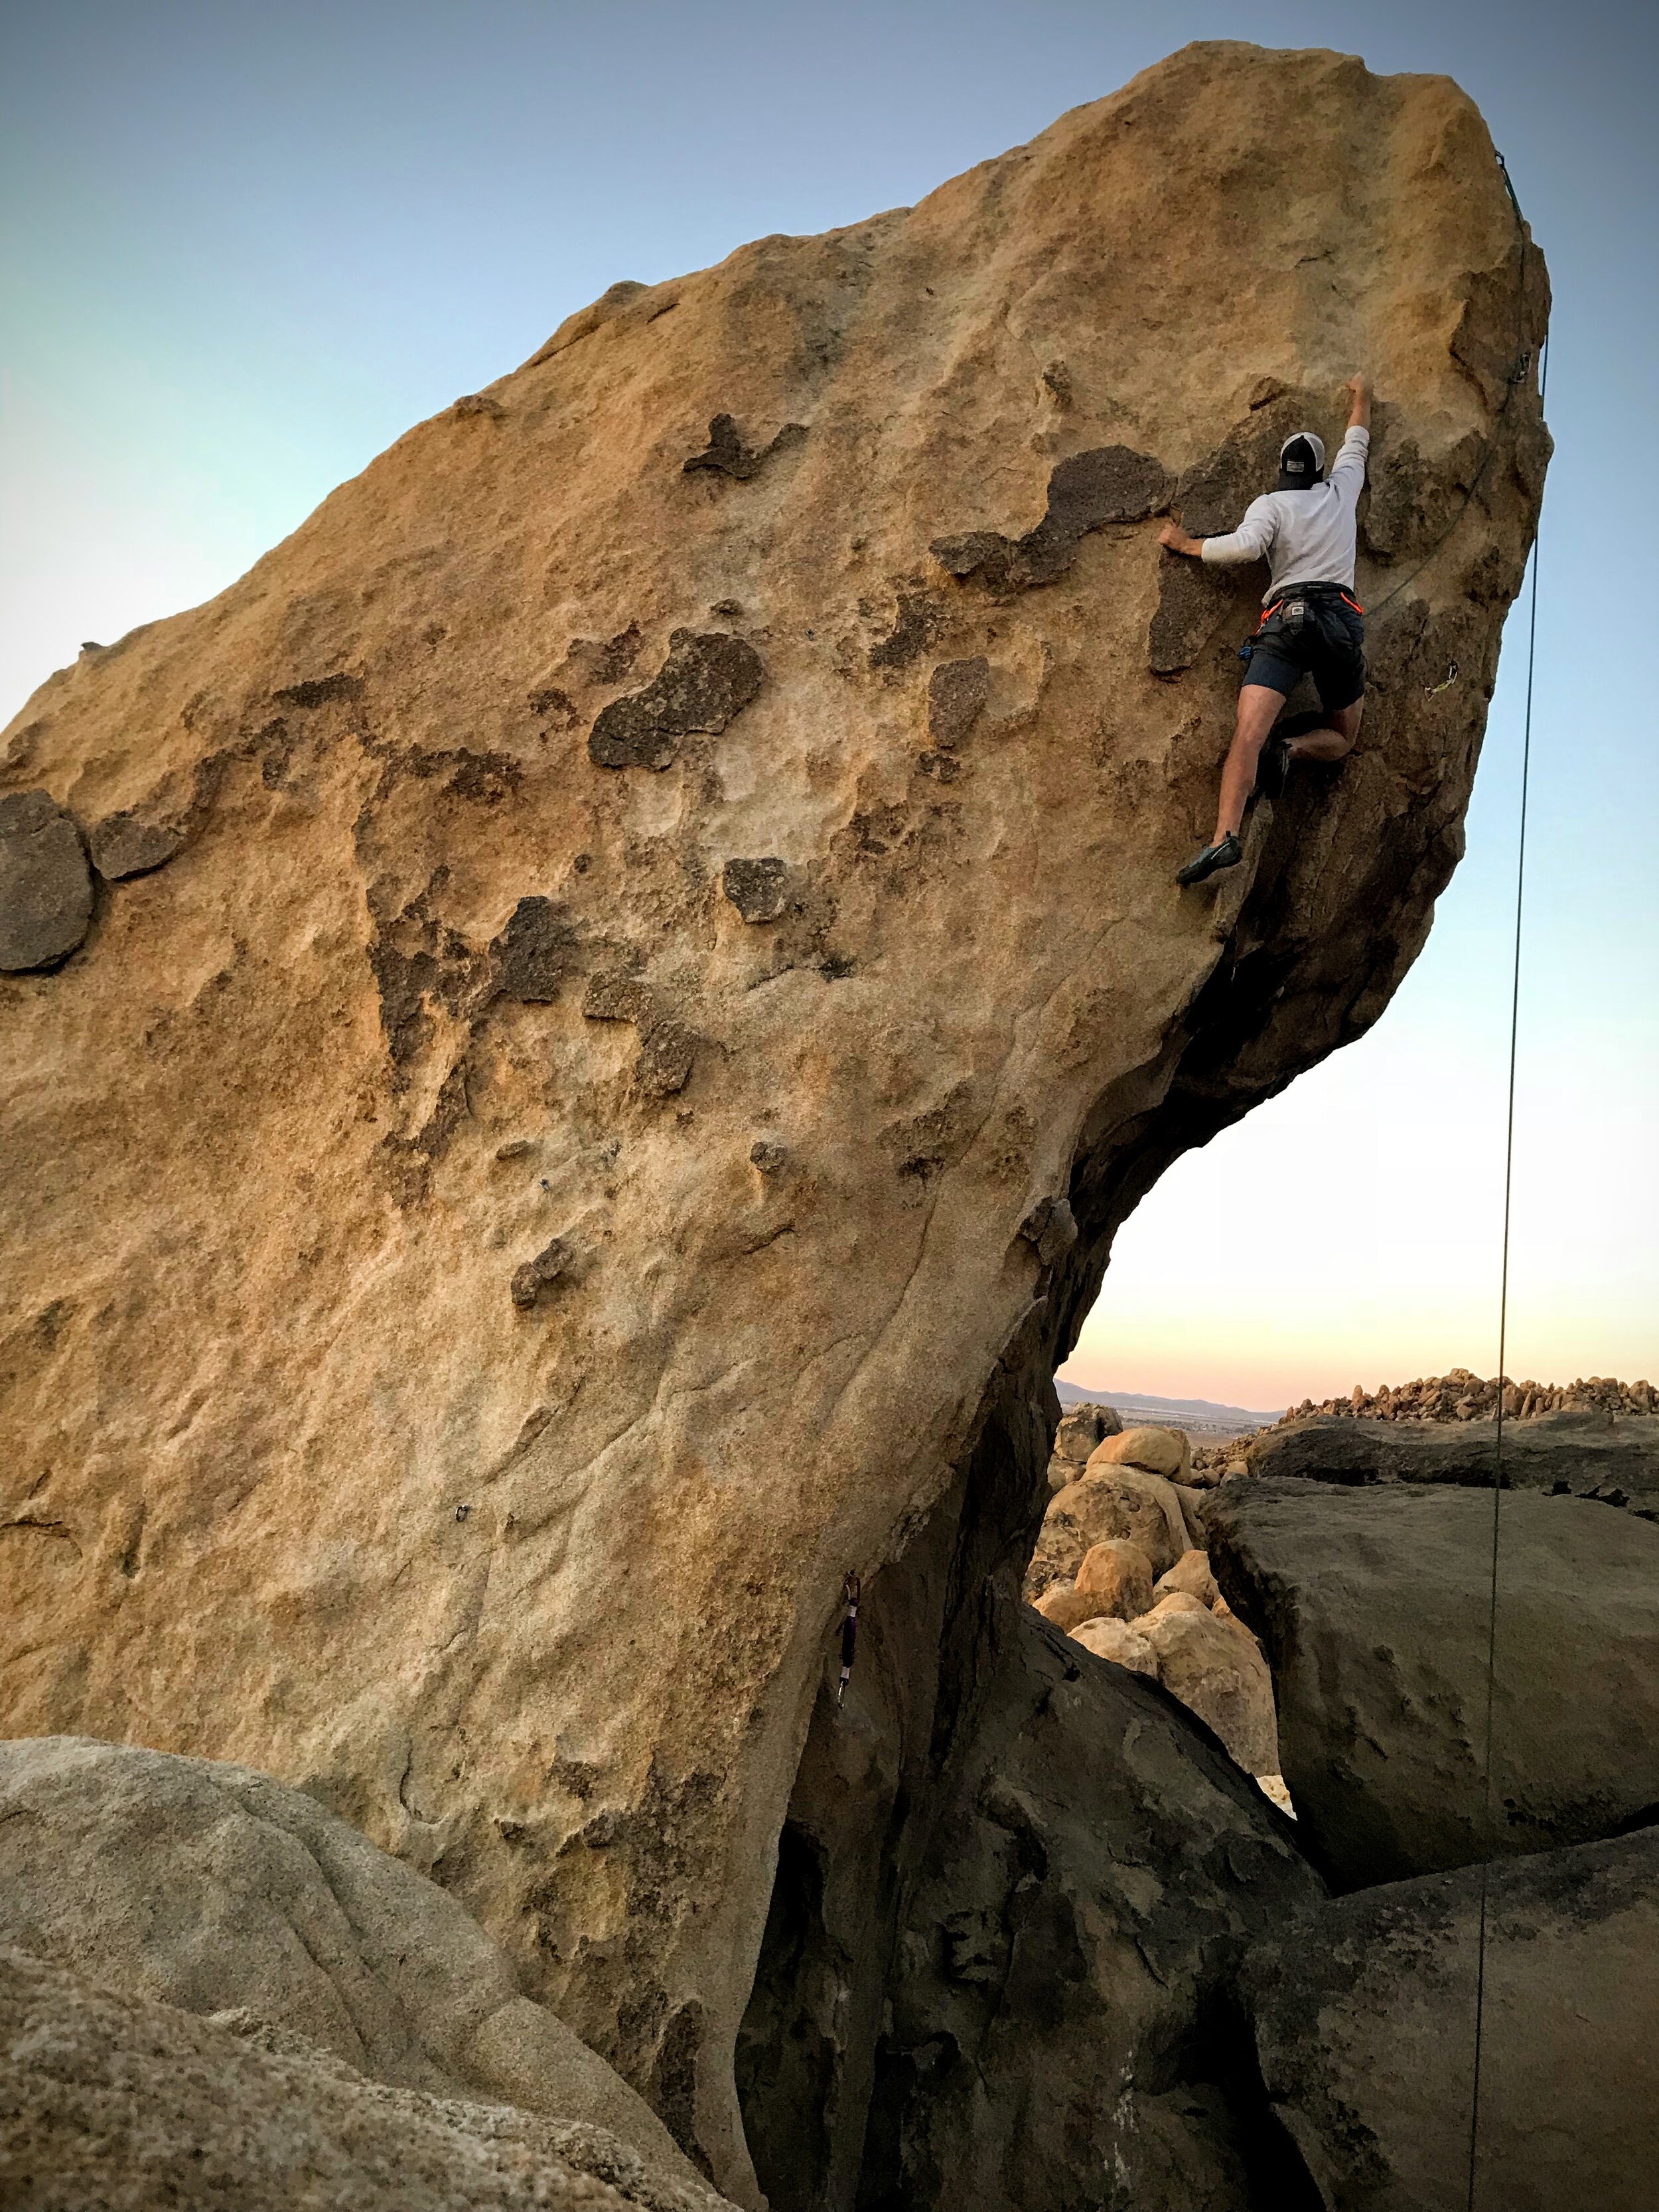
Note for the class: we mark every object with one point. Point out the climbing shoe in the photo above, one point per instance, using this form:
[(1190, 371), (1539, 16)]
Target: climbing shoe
[(1227, 854), (1272, 767)]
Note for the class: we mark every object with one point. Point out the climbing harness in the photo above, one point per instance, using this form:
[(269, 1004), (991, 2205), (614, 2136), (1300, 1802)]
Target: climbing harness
[(1503, 1271), (849, 1632), (1296, 611)]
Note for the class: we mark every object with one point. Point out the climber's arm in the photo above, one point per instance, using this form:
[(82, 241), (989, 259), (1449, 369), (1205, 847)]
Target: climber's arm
[(1348, 469), (1247, 542)]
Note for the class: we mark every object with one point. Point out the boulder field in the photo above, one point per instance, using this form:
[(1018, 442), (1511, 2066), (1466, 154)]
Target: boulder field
[(1612, 1458), (1120, 1567), (577, 1041)]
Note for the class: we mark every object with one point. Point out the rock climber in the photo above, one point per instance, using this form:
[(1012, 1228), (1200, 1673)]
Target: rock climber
[(1313, 624)]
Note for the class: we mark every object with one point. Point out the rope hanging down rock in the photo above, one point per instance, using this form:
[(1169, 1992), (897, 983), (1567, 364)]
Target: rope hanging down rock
[(1503, 1279)]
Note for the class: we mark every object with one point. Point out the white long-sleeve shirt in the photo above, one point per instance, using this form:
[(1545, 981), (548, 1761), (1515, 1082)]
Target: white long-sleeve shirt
[(1307, 537)]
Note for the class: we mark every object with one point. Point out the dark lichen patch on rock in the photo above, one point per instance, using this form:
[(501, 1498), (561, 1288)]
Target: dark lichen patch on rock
[(45, 886), (418, 961), (917, 623), (1411, 503), (1213, 495), (708, 679), (666, 1052), (1111, 484), (1192, 601), (616, 998), (487, 778), (755, 887), (320, 690), (667, 1047), (449, 1109), (529, 1280), (602, 661), (533, 951), (726, 453), (552, 705), (946, 766), (124, 845), (957, 693)]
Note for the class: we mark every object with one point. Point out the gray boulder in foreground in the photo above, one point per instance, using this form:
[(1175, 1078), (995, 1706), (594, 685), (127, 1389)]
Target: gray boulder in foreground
[(1584, 1455), (1372, 1605), (219, 1891), (1364, 2025), (119, 2104)]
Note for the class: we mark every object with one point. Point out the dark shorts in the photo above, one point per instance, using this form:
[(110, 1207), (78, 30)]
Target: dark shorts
[(1331, 649)]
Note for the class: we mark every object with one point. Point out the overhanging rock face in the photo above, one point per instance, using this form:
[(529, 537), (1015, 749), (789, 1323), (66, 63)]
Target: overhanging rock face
[(529, 1188)]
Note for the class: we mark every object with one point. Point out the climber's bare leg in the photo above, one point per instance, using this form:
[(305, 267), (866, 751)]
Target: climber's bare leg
[(1334, 740), (1259, 709)]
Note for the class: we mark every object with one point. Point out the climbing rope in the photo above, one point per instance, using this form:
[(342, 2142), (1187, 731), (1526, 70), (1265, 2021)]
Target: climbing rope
[(1503, 1337)]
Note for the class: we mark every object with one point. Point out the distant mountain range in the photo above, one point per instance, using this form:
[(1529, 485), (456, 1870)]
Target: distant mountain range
[(1201, 1415)]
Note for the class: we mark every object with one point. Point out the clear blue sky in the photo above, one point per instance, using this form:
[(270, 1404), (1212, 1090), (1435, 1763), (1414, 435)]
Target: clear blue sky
[(246, 247)]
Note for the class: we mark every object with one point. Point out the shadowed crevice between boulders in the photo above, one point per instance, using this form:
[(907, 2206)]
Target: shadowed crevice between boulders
[(1013, 1880)]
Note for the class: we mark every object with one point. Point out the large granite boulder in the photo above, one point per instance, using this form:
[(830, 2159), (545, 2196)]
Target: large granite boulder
[(1157, 1451), (1614, 1458), (1055, 2027), (677, 979), (1218, 1674), (1108, 1504), (220, 1891), (117, 2102), (1372, 1606), (1364, 2026)]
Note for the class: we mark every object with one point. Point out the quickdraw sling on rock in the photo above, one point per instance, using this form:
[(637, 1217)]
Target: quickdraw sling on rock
[(849, 1634)]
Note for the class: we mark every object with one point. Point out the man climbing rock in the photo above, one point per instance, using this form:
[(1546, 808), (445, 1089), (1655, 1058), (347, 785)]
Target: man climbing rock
[(1313, 624)]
